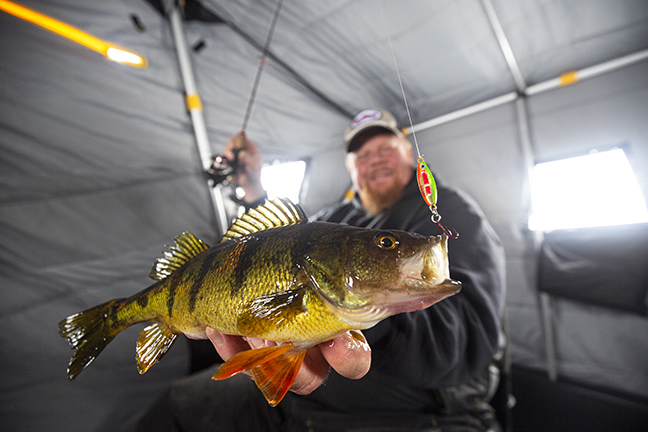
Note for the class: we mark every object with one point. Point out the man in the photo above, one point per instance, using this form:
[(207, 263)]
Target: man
[(426, 370)]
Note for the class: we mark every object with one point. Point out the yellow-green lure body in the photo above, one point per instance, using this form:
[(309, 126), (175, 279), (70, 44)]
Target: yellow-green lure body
[(427, 186)]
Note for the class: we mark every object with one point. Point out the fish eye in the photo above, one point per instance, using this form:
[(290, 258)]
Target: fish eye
[(386, 241)]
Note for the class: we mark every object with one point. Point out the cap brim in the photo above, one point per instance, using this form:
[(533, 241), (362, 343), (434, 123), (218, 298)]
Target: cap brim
[(350, 139)]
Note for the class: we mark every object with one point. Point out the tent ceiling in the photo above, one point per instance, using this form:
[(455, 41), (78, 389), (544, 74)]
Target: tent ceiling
[(447, 52)]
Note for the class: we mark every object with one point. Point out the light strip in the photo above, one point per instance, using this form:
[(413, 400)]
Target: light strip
[(109, 50)]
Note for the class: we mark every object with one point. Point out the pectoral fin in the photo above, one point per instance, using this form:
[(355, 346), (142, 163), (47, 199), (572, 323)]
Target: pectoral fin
[(152, 343), (265, 313), (274, 369)]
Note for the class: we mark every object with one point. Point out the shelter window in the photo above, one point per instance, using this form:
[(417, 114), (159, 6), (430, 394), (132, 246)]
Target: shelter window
[(284, 179), (599, 189)]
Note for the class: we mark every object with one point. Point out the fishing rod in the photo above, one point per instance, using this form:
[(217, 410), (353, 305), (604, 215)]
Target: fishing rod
[(222, 169)]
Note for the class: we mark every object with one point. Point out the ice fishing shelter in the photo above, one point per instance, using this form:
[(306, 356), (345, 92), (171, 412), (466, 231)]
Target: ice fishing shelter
[(100, 168)]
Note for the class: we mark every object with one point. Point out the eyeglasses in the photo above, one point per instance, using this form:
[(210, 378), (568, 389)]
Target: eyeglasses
[(365, 156)]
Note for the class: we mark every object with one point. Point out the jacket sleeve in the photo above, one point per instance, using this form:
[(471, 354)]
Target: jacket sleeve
[(451, 341)]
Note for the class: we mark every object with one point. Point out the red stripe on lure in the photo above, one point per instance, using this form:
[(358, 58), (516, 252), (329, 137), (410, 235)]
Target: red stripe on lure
[(428, 188)]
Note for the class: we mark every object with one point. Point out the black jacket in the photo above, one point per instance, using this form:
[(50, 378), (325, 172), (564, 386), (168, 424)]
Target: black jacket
[(430, 363), (430, 369)]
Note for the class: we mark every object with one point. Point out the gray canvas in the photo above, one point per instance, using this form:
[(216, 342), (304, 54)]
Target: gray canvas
[(99, 167)]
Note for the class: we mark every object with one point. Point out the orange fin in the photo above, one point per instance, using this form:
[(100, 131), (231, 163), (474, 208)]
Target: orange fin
[(152, 343), (275, 377), (274, 369)]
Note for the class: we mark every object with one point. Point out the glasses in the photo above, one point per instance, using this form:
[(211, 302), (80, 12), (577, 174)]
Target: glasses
[(363, 157)]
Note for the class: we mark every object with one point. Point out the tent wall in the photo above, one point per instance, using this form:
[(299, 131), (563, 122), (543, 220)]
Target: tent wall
[(98, 172), (480, 154)]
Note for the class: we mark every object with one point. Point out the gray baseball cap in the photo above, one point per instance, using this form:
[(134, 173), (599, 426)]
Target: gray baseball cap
[(370, 119)]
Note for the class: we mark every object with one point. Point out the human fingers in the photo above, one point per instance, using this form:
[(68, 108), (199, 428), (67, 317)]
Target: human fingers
[(249, 159), (312, 374), (244, 145), (233, 142), (226, 345), (349, 354)]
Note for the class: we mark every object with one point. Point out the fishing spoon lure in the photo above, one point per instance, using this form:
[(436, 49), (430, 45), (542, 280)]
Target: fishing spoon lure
[(426, 182), (428, 188)]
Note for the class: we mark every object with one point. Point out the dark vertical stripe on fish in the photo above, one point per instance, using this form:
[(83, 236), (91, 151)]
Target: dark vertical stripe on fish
[(113, 321), (205, 268), (294, 251), (142, 300), (246, 261), (176, 278), (302, 242)]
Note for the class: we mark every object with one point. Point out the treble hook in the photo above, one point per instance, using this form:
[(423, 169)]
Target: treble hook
[(436, 218), (452, 233)]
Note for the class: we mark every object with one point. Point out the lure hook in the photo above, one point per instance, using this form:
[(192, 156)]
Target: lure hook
[(436, 218), (451, 233)]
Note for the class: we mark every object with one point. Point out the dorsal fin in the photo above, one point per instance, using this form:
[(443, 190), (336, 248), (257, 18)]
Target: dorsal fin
[(271, 214), (186, 247)]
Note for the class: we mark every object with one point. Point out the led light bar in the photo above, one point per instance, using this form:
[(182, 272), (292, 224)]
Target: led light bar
[(107, 49)]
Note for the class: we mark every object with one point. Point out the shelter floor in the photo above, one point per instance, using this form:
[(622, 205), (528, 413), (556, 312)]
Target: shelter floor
[(542, 405)]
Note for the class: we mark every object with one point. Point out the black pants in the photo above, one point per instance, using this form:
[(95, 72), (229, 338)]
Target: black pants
[(198, 403)]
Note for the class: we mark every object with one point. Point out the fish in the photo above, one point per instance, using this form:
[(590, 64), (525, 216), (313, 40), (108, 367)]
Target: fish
[(274, 275)]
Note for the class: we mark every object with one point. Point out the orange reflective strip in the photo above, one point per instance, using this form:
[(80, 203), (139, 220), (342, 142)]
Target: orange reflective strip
[(568, 78), (193, 102)]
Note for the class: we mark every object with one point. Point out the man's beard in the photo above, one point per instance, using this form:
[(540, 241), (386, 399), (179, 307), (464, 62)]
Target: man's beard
[(375, 202)]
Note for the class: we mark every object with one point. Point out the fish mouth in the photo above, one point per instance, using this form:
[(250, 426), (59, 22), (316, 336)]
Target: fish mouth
[(428, 267), (408, 303), (393, 302)]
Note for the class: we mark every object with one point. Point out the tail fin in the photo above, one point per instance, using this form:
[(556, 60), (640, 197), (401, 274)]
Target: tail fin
[(88, 333)]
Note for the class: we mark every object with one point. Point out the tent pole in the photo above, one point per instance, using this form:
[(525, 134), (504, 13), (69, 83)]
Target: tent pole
[(575, 76), (562, 81), (504, 45), (194, 105), (546, 316), (465, 112), (535, 240)]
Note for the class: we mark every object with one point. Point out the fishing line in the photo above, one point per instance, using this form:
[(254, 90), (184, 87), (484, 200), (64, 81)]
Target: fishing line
[(262, 61), (424, 177), (400, 80)]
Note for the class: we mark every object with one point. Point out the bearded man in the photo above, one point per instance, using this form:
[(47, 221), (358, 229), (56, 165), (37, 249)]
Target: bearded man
[(426, 370)]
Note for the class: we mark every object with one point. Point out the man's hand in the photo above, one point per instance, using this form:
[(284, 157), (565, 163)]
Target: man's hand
[(349, 354), (248, 172)]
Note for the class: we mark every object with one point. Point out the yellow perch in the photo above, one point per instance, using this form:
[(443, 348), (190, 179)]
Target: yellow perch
[(275, 276)]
